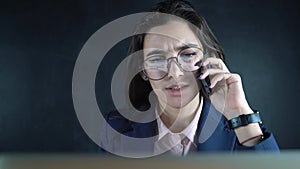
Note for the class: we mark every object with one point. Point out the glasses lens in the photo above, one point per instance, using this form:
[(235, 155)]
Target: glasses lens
[(187, 58), (156, 67)]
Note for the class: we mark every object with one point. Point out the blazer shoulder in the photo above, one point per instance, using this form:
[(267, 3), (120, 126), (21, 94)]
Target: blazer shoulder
[(118, 122), (143, 124)]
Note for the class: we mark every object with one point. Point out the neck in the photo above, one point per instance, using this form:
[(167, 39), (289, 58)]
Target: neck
[(177, 119)]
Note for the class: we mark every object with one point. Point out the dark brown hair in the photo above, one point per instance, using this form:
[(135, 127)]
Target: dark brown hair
[(139, 89)]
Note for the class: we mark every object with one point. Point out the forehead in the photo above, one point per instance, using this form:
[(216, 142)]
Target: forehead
[(170, 35)]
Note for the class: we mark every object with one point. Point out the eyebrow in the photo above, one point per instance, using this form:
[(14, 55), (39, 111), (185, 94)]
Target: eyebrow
[(155, 52), (186, 46), (179, 48)]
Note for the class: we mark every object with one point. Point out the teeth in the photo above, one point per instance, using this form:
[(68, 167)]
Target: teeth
[(176, 87)]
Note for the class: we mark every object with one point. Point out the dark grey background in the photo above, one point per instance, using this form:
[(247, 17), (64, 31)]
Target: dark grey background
[(40, 41)]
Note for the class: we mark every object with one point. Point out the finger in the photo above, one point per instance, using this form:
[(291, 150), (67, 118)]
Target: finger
[(214, 71), (230, 78), (234, 78), (215, 61), (206, 72), (217, 78), (199, 63), (212, 60), (202, 75)]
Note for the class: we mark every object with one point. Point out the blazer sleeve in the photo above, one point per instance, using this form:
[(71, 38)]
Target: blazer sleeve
[(267, 144)]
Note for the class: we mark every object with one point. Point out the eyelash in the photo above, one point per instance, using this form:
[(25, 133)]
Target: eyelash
[(189, 54)]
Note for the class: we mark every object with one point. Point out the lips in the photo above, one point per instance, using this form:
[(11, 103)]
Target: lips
[(176, 89)]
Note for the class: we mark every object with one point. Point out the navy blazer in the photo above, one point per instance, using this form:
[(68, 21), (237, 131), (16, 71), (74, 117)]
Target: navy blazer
[(212, 134)]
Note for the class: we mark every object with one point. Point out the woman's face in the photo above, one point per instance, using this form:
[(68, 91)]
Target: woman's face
[(178, 87)]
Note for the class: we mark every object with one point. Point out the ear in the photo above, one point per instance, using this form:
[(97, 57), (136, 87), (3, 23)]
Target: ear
[(143, 76)]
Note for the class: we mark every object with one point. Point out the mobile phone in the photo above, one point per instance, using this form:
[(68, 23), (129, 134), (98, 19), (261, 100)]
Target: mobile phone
[(206, 82), (205, 86)]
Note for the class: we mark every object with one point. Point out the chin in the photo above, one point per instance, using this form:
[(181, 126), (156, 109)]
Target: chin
[(177, 103)]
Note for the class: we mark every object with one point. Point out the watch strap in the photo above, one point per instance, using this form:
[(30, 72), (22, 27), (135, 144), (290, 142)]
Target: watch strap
[(244, 120)]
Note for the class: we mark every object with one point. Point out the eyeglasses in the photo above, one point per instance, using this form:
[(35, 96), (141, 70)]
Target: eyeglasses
[(156, 67)]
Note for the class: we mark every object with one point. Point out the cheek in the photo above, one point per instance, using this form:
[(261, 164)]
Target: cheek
[(195, 74), (155, 84), (195, 84), (158, 89)]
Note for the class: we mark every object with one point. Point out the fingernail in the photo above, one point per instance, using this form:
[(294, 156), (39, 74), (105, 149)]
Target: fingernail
[(208, 84), (198, 63), (198, 76)]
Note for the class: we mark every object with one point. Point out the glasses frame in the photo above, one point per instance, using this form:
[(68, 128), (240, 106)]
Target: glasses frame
[(168, 64)]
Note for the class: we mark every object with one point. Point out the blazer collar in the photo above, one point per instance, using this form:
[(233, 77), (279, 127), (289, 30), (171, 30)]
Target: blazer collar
[(212, 132)]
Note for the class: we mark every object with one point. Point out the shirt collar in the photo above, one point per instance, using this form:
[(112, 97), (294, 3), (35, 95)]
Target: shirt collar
[(189, 131)]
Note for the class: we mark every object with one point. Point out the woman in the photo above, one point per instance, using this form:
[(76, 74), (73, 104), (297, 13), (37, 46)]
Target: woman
[(201, 105)]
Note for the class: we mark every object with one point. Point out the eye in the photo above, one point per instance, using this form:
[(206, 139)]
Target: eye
[(187, 55), (156, 60), (190, 55), (155, 63)]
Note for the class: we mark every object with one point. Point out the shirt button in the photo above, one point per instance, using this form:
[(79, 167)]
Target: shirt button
[(179, 147), (184, 142)]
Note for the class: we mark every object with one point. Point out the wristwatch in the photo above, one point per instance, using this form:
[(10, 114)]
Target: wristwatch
[(244, 120)]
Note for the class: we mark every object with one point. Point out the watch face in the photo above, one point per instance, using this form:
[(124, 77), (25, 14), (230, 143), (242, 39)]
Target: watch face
[(244, 120)]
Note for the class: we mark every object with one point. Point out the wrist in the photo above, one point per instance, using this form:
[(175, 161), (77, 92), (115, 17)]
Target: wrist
[(252, 141), (232, 113), (249, 135), (246, 127), (244, 120)]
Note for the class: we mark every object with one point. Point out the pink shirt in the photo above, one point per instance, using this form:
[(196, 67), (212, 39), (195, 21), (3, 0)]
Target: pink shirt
[(177, 143)]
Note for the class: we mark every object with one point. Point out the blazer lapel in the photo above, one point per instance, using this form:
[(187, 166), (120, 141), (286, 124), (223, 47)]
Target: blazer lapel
[(212, 132)]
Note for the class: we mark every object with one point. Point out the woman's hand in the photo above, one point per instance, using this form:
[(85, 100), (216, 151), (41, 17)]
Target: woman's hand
[(227, 95)]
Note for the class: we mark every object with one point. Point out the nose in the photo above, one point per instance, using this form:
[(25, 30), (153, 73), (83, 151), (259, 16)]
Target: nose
[(174, 70)]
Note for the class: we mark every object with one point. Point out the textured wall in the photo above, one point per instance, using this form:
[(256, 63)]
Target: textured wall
[(40, 41)]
